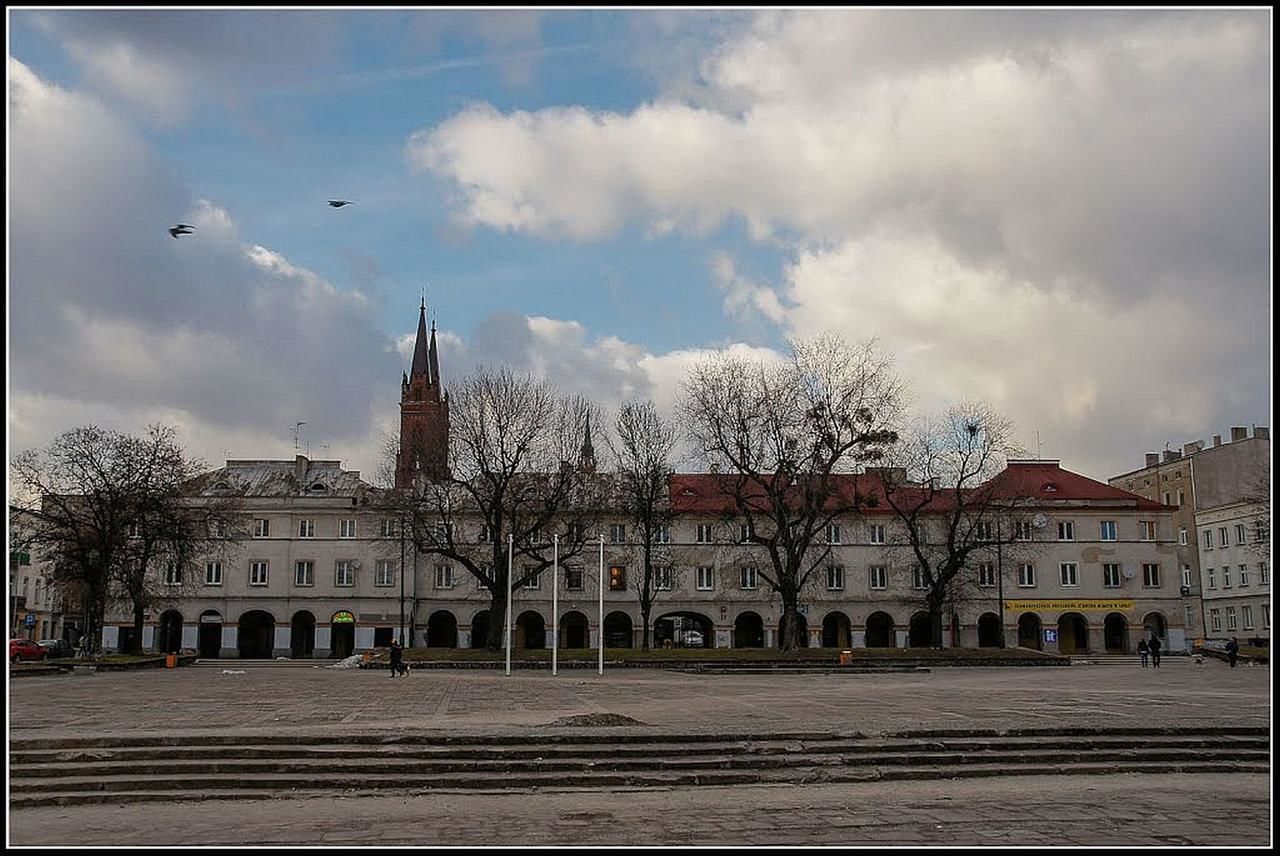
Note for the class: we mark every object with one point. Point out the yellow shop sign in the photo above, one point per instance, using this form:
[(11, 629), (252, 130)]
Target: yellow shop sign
[(1069, 605)]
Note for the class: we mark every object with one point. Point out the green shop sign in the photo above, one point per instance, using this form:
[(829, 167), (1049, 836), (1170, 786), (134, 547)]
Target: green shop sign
[(343, 618)]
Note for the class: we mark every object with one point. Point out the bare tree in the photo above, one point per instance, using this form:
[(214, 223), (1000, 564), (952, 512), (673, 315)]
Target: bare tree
[(643, 450), (104, 508), (1257, 492), (953, 509), (786, 436), (513, 447)]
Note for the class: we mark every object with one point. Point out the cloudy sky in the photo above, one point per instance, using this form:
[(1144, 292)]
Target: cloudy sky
[(1066, 213)]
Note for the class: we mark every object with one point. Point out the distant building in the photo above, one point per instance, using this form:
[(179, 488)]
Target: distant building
[(1222, 550)]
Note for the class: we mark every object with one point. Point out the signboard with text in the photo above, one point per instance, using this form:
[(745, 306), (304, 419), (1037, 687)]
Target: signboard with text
[(1086, 605), (1050, 635)]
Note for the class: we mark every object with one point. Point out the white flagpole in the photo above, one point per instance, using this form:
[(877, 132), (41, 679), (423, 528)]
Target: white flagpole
[(600, 625), (555, 601), (510, 550)]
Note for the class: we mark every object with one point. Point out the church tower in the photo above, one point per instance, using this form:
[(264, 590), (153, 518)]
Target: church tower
[(424, 413)]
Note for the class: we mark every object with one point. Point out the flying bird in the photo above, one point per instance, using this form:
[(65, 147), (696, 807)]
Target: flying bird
[(181, 229), (338, 203)]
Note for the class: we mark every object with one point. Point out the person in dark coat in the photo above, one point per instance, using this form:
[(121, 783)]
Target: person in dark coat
[(1233, 651), (1143, 650), (397, 659), (1155, 652)]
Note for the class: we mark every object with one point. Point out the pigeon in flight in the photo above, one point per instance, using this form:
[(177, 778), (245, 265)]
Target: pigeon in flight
[(338, 203), (181, 229)]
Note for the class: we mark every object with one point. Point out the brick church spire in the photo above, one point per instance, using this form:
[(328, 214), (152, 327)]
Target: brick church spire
[(587, 457), (424, 412)]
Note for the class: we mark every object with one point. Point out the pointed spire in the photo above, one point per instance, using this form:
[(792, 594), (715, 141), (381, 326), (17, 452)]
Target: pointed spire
[(433, 358), (419, 364), (587, 458)]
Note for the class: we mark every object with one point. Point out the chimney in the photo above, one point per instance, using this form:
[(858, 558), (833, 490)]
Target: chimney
[(300, 468), (1193, 447), (1261, 432), (1217, 440), (1239, 434), (1153, 458), (1171, 455)]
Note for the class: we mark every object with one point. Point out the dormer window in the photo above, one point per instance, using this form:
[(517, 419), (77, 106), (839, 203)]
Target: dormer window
[(1049, 487), (222, 486), (318, 487)]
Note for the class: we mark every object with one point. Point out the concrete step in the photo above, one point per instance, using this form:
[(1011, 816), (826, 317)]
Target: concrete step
[(234, 788)]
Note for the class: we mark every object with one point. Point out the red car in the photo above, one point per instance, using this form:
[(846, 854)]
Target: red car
[(24, 649)]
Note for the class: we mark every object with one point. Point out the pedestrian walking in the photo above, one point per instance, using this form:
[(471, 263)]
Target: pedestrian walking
[(1233, 651), (397, 655), (1143, 651), (1155, 651)]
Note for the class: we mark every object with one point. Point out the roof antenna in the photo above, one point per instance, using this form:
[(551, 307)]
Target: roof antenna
[(296, 427), (1038, 444)]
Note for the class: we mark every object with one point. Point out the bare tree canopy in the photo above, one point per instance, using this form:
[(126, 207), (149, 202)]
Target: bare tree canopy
[(946, 495), (782, 433), (514, 445), (112, 515), (643, 446)]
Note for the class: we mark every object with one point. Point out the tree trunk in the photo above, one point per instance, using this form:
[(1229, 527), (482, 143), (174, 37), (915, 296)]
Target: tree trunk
[(135, 644), (498, 620), (789, 638), (645, 610), (935, 625)]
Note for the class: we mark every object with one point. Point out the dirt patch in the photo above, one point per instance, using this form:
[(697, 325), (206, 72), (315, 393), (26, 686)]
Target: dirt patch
[(595, 720)]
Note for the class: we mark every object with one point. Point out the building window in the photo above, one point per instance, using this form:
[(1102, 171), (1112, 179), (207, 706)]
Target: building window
[(662, 577), (1226, 576), (172, 577), (1231, 618), (833, 533), (1215, 620), (1111, 576), (917, 578), (1262, 574), (258, 573), (1022, 530), (1213, 579), (877, 533), (486, 573), (617, 578), (261, 528), (345, 573), (444, 576), (663, 535), (879, 577), (1182, 499), (1246, 617), (1222, 536), (306, 529), (1147, 530), (1108, 530), (835, 578), (706, 578), (987, 574), (747, 576), (304, 573), (1026, 575), (573, 533), (1066, 530), (745, 533), (388, 529), (704, 533), (1167, 497), (1244, 575), (213, 573), (484, 537), (1266, 615), (1240, 537), (1260, 530), (533, 579), (1067, 574), (1188, 617), (1182, 536), (346, 528), (986, 531), (573, 579), (617, 533), (1208, 539), (384, 573), (1186, 575), (1150, 576)]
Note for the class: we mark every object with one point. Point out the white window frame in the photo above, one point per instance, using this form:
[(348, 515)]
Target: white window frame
[(877, 533), (1246, 616), (917, 578), (706, 578), (1182, 536), (663, 535), (344, 569), (987, 574), (213, 573), (1208, 539), (570, 572), (1223, 539), (1107, 530), (1240, 536), (483, 537), (444, 578), (487, 571), (1264, 572), (306, 528), (1232, 624), (1266, 615), (878, 578), (1150, 572), (617, 533), (1112, 574), (1147, 530), (833, 533), (307, 581), (1022, 530), (1244, 576), (262, 527), (172, 576), (1069, 574), (384, 573), (663, 577), (1226, 576), (748, 579), (347, 527), (259, 572), (1186, 575), (1215, 620), (535, 582), (1213, 578), (388, 528), (835, 577), (1066, 530), (1026, 575), (705, 535)]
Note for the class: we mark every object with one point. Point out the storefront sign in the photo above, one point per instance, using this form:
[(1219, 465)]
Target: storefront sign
[(343, 618), (1050, 635), (1070, 605)]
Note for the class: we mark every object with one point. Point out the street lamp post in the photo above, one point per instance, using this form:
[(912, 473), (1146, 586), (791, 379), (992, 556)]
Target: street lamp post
[(1000, 580), (402, 637)]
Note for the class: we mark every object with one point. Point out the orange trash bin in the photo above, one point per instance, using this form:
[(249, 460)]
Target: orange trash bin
[(170, 661), (846, 658)]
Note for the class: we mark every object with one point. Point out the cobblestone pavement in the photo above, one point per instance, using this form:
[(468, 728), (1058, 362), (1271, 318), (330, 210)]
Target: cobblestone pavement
[(1117, 810), (486, 701)]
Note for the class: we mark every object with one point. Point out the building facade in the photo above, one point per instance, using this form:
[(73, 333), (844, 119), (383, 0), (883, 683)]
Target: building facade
[(35, 603)]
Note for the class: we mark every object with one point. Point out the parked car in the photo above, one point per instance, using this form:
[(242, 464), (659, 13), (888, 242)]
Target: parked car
[(57, 648), (24, 649), (691, 639)]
